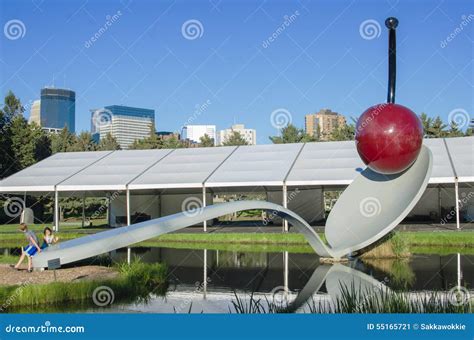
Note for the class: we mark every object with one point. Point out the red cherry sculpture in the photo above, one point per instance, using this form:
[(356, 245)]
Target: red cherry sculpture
[(389, 138)]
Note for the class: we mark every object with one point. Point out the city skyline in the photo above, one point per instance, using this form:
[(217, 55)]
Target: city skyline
[(241, 62)]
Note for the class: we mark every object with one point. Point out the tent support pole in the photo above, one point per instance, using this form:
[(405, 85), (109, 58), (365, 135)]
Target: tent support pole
[(456, 188), (285, 205), (56, 210), (129, 251), (83, 209), (204, 224), (204, 280)]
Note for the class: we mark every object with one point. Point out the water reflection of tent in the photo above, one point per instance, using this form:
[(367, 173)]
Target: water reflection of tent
[(157, 182)]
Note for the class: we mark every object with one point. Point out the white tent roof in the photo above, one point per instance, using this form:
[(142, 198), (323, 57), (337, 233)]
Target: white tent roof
[(461, 150), (183, 168), (326, 163), (442, 170), (44, 175), (329, 163), (113, 172), (257, 165)]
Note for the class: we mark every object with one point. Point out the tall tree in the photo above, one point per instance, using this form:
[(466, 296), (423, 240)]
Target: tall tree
[(291, 134), (206, 141), (62, 141), (454, 130), (108, 143), (437, 129), (235, 139), (344, 132), (27, 142), (11, 108), (426, 122), (150, 142), (84, 142), (172, 143)]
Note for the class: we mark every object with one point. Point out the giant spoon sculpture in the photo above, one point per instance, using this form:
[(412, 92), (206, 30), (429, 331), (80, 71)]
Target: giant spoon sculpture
[(389, 141)]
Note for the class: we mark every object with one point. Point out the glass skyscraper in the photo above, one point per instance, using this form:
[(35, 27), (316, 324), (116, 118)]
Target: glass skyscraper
[(125, 123), (58, 109)]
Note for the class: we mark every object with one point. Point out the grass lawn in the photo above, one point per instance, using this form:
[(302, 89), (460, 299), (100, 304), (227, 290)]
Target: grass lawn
[(222, 241)]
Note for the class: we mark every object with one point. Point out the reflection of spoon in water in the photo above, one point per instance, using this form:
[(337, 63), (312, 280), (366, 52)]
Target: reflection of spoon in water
[(336, 276)]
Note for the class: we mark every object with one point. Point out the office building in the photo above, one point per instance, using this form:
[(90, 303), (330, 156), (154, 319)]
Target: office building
[(323, 123), (57, 109), (250, 135), (35, 114), (195, 132), (125, 123)]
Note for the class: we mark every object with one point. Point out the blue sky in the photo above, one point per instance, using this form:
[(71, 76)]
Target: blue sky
[(320, 60)]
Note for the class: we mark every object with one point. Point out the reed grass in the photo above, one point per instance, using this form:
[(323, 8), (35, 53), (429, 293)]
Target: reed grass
[(136, 282)]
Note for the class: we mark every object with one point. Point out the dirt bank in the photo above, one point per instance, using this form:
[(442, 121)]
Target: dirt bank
[(10, 276)]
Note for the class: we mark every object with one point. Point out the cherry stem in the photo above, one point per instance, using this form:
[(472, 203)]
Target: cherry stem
[(392, 23)]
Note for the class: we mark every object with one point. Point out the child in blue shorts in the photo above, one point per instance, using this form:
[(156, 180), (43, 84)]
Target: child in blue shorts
[(31, 249)]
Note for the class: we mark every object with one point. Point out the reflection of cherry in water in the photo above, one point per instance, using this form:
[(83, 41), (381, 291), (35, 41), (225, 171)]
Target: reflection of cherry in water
[(389, 136)]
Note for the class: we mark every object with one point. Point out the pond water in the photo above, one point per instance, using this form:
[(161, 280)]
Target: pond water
[(207, 280)]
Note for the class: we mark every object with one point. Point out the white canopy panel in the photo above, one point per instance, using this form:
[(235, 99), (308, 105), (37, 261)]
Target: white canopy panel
[(257, 165), (113, 172), (326, 163), (442, 171), (461, 150), (183, 168), (44, 175)]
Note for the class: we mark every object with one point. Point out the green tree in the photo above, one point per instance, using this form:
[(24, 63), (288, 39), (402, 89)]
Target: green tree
[(62, 141), (469, 132), (426, 122), (11, 108), (150, 142), (42, 142), (291, 134), (344, 132), (235, 139), (206, 141), (437, 129), (84, 142), (454, 130), (26, 143), (172, 143), (108, 143)]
